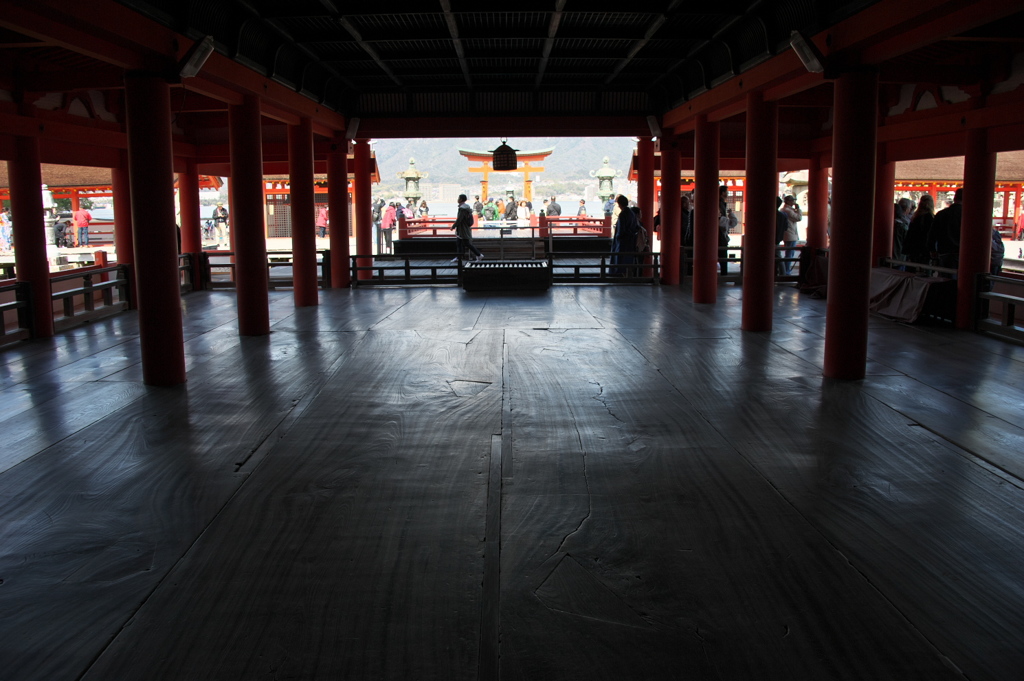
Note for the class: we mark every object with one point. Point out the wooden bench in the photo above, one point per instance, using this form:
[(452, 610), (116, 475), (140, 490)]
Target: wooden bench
[(1008, 326)]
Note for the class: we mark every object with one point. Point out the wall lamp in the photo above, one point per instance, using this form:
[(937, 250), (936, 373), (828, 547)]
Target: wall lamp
[(810, 55), (197, 55)]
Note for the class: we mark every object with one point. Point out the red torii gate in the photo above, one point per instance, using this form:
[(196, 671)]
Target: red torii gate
[(484, 158)]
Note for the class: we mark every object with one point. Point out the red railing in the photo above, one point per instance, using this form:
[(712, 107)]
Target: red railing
[(556, 226), (576, 226)]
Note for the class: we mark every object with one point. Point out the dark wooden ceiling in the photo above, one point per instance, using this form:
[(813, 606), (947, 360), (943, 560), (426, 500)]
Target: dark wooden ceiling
[(552, 57)]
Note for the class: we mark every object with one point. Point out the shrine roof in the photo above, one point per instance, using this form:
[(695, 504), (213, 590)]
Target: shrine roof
[(519, 154)]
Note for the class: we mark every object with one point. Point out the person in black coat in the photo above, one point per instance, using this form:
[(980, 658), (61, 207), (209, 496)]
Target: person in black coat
[(627, 227)]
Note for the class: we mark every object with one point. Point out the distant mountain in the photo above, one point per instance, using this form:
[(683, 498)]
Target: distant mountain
[(572, 159)]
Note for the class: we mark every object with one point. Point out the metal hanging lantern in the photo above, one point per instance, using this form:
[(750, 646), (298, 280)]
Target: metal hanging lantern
[(504, 157)]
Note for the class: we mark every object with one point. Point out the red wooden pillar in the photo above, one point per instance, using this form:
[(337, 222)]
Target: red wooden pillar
[(76, 201), (191, 227), (123, 241), (247, 199), (976, 222), (645, 180), (151, 165), (817, 204), (759, 213), (300, 171), (363, 210), (188, 202), (671, 211), (705, 225), (885, 180), (337, 204), (854, 136), (30, 260)]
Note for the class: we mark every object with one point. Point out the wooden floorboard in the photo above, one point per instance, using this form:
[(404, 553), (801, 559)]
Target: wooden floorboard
[(585, 483)]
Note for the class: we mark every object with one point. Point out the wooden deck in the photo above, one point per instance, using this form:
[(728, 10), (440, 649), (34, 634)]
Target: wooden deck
[(585, 483)]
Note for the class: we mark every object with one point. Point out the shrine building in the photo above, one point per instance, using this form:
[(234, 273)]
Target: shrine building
[(703, 474)]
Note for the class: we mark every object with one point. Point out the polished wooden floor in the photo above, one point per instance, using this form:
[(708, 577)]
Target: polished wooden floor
[(588, 483)]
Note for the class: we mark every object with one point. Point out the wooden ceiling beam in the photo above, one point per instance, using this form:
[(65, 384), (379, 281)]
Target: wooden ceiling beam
[(453, 30)]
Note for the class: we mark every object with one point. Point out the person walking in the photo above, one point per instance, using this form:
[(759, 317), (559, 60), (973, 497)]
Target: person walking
[(463, 227)]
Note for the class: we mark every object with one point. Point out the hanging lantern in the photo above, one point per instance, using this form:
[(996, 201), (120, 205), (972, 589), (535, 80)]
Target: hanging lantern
[(504, 157)]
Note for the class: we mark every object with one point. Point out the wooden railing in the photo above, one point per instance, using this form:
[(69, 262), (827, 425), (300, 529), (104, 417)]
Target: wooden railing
[(275, 260), (94, 299), (417, 270), (998, 301), (15, 311), (437, 268), (586, 270)]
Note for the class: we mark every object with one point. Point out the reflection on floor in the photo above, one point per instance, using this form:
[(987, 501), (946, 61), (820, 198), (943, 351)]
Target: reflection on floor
[(585, 483)]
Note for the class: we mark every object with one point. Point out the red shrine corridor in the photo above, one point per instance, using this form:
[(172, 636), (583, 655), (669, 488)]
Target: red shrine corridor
[(589, 483)]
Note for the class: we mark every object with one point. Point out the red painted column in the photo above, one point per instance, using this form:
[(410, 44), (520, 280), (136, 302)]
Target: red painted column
[(29, 237), (363, 212), (854, 135), (151, 165), (705, 224), (76, 202), (759, 213), (300, 171), (645, 181), (671, 211), (188, 202), (124, 244), (885, 179), (817, 204), (188, 207), (976, 222), (337, 205), (245, 139)]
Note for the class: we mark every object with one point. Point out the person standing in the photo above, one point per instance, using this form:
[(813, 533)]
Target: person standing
[(387, 225), (902, 212), (220, 221), (944, 236), (6, 230), (686, 226), (424, 210), (582, 211), (627, 226), (490, 211), (511, 209), (554, 209), (478, 208), (609, 207), (726, 221), (915, 244), (82, 218), (793, 215), (463, 227), (321, 221)]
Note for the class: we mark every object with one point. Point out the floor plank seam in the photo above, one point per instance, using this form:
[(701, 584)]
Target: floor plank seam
[(946, 661), (975, 457), (267, 445), (586, 479)]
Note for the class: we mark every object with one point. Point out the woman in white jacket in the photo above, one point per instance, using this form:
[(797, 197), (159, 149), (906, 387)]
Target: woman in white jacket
[(791, 210)]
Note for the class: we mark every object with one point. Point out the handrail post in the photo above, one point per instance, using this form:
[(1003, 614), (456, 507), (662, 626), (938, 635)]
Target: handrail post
[(23, 294), (90, 302), (325, 268)]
